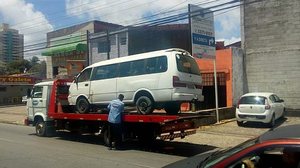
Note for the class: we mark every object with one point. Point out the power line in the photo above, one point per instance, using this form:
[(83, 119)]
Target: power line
[(168, 20)]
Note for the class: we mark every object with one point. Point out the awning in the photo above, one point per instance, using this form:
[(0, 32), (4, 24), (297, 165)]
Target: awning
[(65, 49)]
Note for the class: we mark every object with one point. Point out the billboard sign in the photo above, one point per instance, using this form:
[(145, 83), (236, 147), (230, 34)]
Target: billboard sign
[(202, 32)]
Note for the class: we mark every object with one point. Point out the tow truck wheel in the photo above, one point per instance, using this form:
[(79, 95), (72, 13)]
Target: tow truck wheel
[(172, 108), (105, 137), (145, 105), (40, 128), (82, 105)]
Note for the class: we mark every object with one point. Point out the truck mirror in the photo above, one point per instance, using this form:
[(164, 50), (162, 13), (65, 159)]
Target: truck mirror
[(28, 93), (75, 79)]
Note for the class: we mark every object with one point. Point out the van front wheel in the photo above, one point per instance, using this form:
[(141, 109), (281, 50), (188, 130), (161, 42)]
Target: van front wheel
[(144, 105)]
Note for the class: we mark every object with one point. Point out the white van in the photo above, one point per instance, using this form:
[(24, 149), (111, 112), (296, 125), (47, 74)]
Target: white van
[(153, 80)]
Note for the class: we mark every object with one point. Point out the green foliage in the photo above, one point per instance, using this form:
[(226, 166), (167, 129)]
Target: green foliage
[(34, 67), (17, 67), (2, 68)]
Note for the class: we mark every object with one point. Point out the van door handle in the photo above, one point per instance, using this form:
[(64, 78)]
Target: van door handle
[(86, 85), (41, 100)]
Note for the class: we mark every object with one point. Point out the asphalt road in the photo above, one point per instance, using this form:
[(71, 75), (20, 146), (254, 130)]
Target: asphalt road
[(20, 147)]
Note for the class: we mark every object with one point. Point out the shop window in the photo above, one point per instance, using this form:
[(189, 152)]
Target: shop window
[(2, 89), (123, 41), (103, 47)]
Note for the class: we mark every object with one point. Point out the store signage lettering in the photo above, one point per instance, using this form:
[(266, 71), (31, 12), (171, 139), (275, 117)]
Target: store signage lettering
[(15, 80)]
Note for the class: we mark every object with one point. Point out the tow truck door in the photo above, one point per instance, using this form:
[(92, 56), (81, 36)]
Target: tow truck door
[(37, 103)]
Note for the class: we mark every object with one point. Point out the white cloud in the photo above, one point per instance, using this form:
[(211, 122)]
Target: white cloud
[(125, 12), (25, 18), (228, 26)]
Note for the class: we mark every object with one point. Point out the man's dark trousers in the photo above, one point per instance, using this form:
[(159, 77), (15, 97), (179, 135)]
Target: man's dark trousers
[(115, 134)]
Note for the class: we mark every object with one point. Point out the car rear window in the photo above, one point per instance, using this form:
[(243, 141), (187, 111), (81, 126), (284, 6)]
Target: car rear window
[(187, 64), (260, 100)]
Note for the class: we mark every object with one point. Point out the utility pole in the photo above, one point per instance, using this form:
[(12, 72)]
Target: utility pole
[(108, 44), (87, 48)]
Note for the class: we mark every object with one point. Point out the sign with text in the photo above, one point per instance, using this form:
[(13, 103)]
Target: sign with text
[(202, 32), (12, 80)]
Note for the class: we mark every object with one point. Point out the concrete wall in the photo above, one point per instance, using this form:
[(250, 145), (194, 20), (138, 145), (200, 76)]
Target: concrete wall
[(117, 49), (271, 41), (238, 74)]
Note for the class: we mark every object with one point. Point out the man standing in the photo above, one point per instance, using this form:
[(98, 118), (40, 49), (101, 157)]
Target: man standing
[(116, 108)]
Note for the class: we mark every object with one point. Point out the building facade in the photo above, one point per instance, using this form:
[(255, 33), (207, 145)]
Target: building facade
[(67, 49), (271, 42), (13, 88), (135, 40), (11, 44)]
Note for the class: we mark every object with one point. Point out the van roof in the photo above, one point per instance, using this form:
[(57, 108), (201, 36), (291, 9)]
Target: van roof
[(134, 57)]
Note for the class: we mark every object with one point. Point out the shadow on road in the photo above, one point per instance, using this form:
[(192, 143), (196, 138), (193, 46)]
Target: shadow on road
[(279, 122), (166, 147)]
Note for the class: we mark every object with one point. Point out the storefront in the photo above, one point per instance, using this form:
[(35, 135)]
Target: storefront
[(13, 88), (65, 60)]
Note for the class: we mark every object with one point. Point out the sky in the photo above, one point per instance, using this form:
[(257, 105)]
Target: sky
[(34, 18)]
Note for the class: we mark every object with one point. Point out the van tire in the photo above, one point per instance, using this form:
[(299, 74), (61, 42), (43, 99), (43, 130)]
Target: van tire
[(144, 105), (172, 108), (82, 105)]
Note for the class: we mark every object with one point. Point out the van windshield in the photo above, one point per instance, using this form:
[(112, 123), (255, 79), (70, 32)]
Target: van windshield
[(187, 64)]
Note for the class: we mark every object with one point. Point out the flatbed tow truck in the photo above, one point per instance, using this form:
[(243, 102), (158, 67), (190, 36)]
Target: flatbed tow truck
[(48, 111)]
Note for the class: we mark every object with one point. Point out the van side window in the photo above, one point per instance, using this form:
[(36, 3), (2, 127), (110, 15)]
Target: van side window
[(105, 72), (137, 67), (162, 64), (85, 75), (156, 65), (124, 69), (37, 92)]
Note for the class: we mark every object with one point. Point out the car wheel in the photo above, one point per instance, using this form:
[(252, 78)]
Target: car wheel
[(172, 108), (272, 122), (240, 123), (40, 128), (144, 105), (82, 105)]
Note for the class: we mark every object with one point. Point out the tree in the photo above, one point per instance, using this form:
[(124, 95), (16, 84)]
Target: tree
[(38, 70), (34, 60), (18, 66), (3, 68)]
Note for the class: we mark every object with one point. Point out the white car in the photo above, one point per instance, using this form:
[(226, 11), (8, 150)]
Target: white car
[(259, 107)]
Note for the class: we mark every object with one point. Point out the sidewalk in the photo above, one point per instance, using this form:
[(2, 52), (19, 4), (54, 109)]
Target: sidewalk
[(13, 114)]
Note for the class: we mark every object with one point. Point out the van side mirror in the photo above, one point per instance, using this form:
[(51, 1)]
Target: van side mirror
[(75, 79), (28, 93)]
